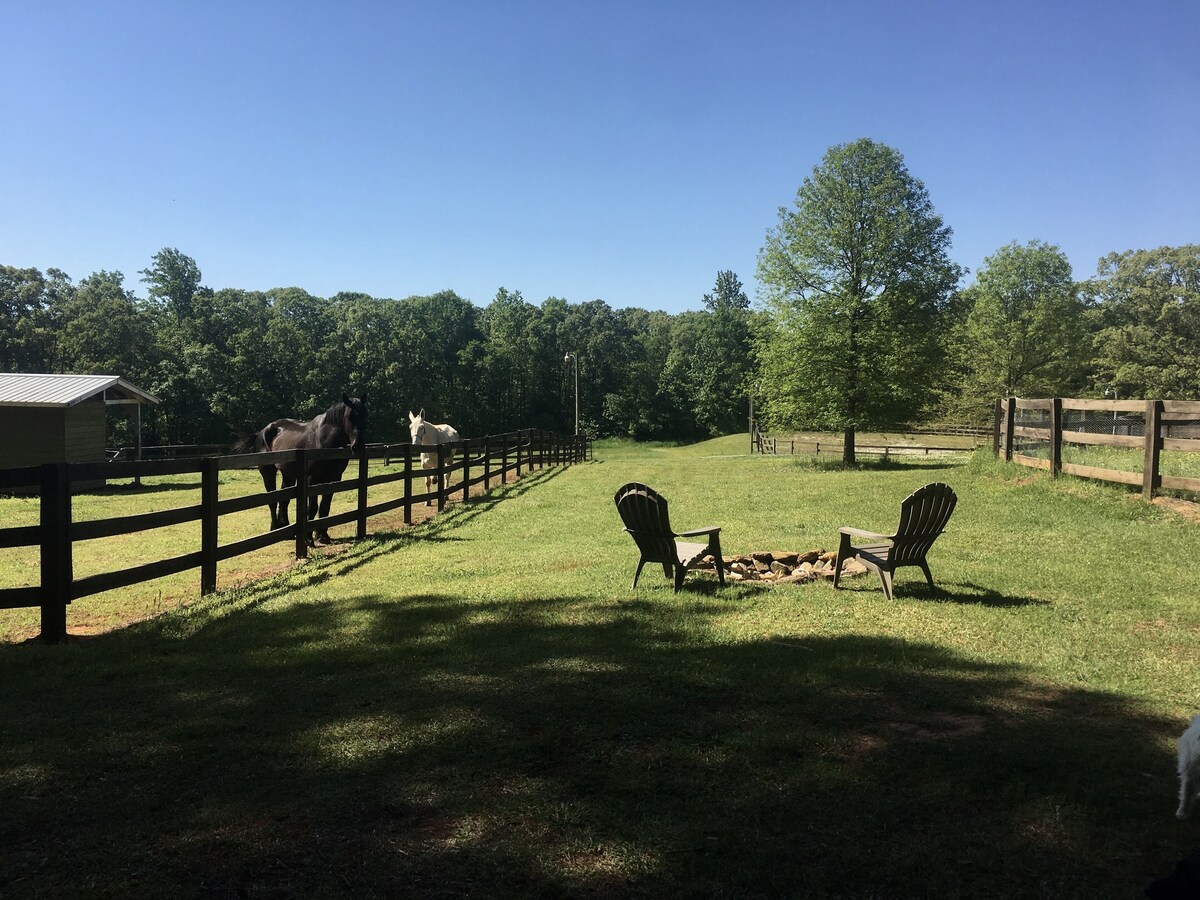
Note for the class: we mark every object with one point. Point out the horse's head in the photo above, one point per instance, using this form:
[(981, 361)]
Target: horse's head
[(418, 428), (354, 421)]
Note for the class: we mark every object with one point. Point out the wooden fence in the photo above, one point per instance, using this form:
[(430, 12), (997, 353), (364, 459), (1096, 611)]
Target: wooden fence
[(480, 460), (1155, 419)]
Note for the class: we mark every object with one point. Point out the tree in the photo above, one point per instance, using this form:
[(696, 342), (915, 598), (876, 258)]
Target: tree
[(174, 279), (30, 306), (1148, 303), (722, 362), (1024, 332), (857, 276)]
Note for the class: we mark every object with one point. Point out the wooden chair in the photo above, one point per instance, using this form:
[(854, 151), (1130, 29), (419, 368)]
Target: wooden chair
[(644, 512), (923, 516)]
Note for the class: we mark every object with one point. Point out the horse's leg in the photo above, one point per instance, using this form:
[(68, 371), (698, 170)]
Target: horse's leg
[(268, 477), (326, 499), (288, 481)]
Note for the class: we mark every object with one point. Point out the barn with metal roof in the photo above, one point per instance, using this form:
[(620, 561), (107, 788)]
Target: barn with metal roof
[(60, 418)]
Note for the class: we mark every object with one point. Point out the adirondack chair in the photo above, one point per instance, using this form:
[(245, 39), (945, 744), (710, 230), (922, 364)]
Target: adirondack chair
[(644, 512), (923, 516)]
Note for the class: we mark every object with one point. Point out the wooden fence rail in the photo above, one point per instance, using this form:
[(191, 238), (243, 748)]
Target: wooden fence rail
[(480, 460), (1158, 417)]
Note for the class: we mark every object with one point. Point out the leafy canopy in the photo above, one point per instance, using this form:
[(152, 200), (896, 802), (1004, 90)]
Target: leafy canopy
[(857, 278)]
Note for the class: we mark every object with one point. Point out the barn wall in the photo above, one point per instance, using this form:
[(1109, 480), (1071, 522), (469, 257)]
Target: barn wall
[(83, 436), (32, 436)]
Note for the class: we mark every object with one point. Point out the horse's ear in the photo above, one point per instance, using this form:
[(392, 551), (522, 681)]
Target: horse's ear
[(411, 417), (362, 398), (346, 399), (421, 414)]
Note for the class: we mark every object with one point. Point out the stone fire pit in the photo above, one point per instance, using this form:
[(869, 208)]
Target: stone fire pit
[(782, 567)]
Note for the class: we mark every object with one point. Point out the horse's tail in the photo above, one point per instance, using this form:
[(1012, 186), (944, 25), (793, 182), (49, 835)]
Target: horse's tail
[(258, 442)]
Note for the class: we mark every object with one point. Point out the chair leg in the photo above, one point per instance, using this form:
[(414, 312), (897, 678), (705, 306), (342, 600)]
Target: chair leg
[(714, 545), (928, 576), (637, 574), (680, 571), (885, 575), (844, 552)]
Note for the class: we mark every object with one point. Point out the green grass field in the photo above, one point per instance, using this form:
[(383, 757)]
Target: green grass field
[(479, 705)]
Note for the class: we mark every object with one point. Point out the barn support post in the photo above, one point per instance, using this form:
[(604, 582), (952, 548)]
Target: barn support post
[(137, 438), (518, 449), (360, 531), (408, 491), (56, 570), (1150, 476), (301, 504), (209, 481), (441, 477)]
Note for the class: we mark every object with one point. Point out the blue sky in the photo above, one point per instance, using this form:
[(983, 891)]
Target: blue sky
[(617, 151)]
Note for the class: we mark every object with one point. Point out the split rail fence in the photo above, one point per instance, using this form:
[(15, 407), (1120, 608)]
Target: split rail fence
[(1034, 432), (480, 460)]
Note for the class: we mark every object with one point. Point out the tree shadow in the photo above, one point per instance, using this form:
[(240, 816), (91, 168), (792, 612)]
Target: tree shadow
[(421, 745), (962, 592)]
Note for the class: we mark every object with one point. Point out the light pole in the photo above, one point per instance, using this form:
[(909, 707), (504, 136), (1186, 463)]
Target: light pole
[(572, 358)]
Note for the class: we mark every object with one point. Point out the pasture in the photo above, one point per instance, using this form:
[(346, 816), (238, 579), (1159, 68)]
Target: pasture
[(478, 705)]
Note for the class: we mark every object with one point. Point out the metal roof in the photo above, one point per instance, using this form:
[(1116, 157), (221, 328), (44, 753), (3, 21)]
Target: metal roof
[(61, 391)]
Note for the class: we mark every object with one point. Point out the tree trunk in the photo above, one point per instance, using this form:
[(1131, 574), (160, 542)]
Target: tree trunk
[(848, 447)]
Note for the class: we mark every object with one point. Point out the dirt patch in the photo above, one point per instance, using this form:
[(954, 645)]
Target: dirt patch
[(1185, 508)]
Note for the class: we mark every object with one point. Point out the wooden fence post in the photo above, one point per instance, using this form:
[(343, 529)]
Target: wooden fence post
[(441, 477), (361, 530), (1009, 421), (56, 570), (301, 504), (408, 492), (996, 420), (209, 481), (466, 455), (1056, 430), (1153, 423), (487, 463)]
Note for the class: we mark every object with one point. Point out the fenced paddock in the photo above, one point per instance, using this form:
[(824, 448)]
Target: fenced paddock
[(1149, 444), (478, 463), (482, 707)]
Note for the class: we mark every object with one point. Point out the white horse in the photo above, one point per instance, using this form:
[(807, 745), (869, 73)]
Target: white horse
[(426, 434)]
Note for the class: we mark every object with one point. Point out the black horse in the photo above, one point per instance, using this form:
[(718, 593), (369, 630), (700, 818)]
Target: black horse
[(343, 424)]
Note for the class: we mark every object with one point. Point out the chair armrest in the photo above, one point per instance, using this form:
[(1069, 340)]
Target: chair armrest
[(870, 535), (708, 529)]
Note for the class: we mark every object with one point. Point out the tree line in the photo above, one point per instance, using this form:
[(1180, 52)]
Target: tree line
[(224, 362), (863, 323)]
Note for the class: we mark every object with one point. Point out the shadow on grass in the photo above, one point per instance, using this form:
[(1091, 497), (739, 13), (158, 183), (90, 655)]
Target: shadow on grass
[(423, 745), (963, 592)]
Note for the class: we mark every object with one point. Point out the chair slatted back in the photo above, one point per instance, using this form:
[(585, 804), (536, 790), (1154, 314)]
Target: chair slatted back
[(644, 512), (923, 516)]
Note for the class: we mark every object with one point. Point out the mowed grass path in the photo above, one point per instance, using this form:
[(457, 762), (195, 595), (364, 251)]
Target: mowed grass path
[(479, 706)]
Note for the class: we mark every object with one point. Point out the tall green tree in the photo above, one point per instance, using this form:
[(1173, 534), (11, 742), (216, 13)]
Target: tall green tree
[(1025, 330), (723, 358), (857, 277), (30, 306), (1148, 301)]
